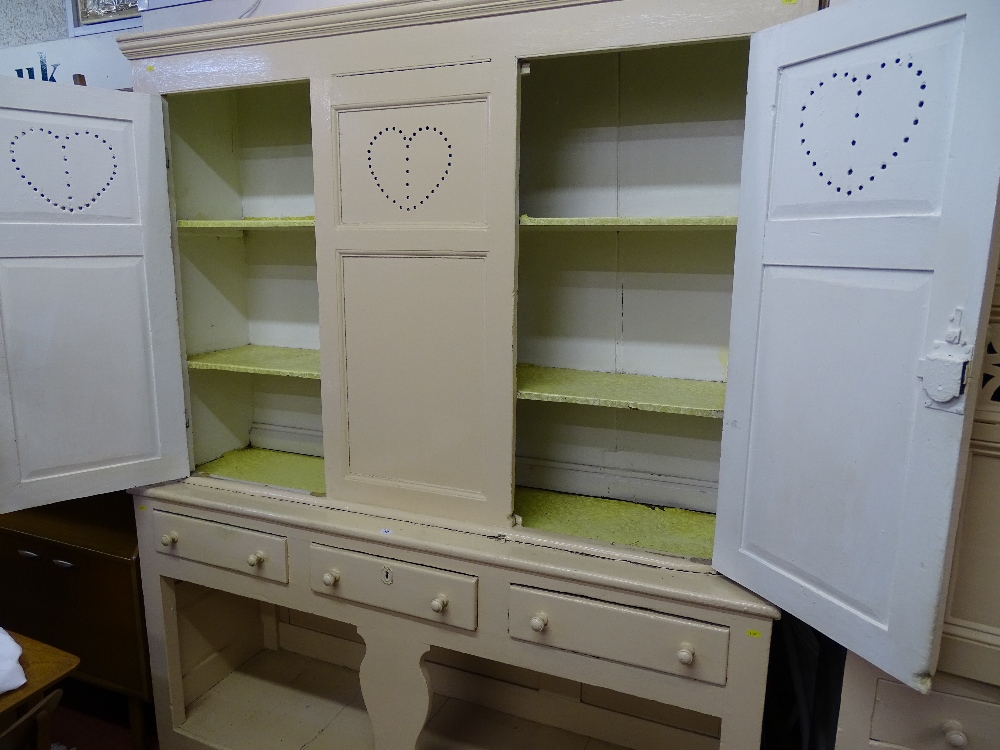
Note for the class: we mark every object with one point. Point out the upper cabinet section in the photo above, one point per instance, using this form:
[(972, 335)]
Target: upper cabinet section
[(243, 179), (242, 153)]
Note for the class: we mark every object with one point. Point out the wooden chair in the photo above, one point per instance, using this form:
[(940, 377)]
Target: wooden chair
[(33, 731)]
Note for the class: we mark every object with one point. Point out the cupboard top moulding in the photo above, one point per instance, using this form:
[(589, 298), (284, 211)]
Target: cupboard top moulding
[(402, 34)]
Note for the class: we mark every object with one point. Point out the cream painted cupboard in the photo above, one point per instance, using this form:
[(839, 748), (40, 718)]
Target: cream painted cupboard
[(468, 352)]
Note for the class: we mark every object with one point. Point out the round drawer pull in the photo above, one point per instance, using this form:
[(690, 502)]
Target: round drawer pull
[(686, 655), (954, 735), (168, 540), (256, 559), (439, 602), (331, 578), (539, 622)]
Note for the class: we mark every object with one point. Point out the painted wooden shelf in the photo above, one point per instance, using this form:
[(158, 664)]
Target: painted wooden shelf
[(260, 360), (274, 468), (699, 398), (263, 222), (629, 223), (675, 531)]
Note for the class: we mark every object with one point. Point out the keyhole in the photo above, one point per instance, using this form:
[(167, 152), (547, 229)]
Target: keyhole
[(386, 575)]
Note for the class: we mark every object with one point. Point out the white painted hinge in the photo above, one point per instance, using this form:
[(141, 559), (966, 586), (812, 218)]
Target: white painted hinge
[(944, 370)]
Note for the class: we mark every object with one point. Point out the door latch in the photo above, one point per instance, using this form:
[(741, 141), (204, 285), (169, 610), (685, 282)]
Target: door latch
[(944, 370)]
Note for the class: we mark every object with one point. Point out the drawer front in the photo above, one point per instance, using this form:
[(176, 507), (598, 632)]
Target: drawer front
[(428, 593), (245, 551), (906, 718), (611, 631)]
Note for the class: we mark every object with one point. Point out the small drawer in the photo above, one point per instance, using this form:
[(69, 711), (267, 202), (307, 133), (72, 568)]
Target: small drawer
[(623, 634), (908, 719), (245, 551), (428, 593)]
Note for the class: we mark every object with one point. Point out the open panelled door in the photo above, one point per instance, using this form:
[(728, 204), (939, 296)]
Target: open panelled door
[(415, 278), (91, 389), (869, 189)]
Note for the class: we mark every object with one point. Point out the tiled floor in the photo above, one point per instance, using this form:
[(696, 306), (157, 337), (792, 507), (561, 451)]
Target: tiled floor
[(91, 718)]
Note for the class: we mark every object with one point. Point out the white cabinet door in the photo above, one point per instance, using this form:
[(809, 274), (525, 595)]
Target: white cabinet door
[(90, 367), (868, 196)]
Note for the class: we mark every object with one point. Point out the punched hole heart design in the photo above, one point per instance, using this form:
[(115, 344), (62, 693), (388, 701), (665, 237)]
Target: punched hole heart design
[(70, 171), (844, 161), (409, 167)]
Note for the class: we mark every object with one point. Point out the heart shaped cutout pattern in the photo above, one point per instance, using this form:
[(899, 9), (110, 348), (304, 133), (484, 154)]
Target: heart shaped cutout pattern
[(835, 130), (69, 171), (409, 167)]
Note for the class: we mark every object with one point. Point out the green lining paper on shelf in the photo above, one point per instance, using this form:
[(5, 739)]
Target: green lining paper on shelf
[(255, 222), (675, 531), (275, 468), (699, 398), (629, 222), (260, 360)]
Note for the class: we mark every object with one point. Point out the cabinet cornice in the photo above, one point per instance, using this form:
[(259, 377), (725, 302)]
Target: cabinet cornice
[(350, 19)]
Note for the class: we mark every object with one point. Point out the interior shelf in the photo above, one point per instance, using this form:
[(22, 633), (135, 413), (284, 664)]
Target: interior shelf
[(675, 531), (262, 222), (275, 468), (627, 223), (699, 398), (260, 360)]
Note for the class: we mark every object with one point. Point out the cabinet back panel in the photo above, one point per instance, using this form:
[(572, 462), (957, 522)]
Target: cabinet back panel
[(221, 412), (655, 132), (282, 294), (655, 303), (569, 137), (569, 300), (203, 158), (214, 288), (242, 152), (661, 459), (287, 415), (275, 150)]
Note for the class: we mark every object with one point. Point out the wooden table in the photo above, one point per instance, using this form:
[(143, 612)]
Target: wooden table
[(43, 666)]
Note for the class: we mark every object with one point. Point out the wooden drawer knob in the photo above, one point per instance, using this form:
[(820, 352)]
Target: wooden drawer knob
[(256, 559), (686, 655), (168, 540), (954, 735), (438, 603), (330, 578), (539, 622)]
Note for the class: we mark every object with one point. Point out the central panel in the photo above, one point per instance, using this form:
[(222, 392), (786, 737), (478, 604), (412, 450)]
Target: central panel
[(415, 329)]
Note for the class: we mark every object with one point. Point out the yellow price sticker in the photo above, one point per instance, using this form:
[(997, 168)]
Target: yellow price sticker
[(789, 2), (151, 68), (753, 633), (142, 507)]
